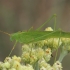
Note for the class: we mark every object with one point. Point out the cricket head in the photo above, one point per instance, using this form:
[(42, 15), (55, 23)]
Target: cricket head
[(14, 37), (17, 37)]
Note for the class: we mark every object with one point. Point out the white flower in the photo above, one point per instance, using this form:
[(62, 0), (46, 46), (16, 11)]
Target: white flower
[(33, 59), (50, 68), (16, 64), (39, 53), (25, 47), (54, 42), (65, 40), (42, 68), (8, 59), (47, 54), (16, 58), (6, 65), (57, 65), (43, 63), (26, 56), (27, 67), (66, 43), (48, 29), (12, 69)]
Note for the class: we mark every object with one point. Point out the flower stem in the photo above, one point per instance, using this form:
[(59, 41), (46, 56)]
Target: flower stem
[(62, 55)]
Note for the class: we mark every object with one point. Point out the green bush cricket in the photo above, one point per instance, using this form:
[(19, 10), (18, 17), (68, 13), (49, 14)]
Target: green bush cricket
[(36, 35)]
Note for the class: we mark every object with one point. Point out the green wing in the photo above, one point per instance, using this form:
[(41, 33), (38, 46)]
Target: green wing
[(34, 36)]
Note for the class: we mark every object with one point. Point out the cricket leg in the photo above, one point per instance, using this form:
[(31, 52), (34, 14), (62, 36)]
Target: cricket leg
[(13, 48), (47, 22)]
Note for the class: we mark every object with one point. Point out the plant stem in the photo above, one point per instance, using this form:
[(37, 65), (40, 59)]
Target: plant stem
[(62, 55)]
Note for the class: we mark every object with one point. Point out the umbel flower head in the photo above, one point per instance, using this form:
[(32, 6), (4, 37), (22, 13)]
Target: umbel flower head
[(14, 64), (35, 54), (45, 66)]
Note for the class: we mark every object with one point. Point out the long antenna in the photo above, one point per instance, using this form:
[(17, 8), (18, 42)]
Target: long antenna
[(9, 35), (5, 32)]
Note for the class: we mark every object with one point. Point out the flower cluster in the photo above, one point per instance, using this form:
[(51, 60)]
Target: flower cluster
[(45, 66), (66, 44), (14, 64), (32, 54)]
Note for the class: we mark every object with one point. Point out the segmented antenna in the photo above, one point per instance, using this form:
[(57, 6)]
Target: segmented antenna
[(5, 32), (9, 35)]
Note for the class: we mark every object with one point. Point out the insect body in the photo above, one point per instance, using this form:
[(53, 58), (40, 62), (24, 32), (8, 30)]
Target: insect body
[(34, 36), (31, 36)]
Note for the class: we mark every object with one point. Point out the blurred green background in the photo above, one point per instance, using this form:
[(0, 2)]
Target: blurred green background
[(20, 15)]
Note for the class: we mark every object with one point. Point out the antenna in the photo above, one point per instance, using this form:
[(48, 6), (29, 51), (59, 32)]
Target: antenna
[(5, 32)]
